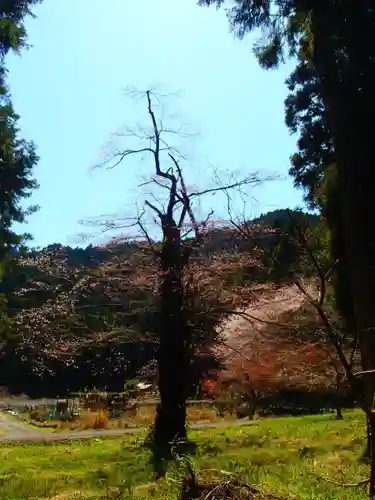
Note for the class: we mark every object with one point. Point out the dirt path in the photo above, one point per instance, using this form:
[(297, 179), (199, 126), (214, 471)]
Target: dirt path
[(11, 427), (17, 432)]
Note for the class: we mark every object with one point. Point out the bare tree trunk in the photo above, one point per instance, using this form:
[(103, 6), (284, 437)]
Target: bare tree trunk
[(173, 357), (366, 455), (371, 439), (339, 415)]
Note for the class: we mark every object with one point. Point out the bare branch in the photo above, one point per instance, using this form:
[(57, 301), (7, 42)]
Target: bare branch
[(254, 180), (121, 156), (252, 319), (310, 253), (363, 482), (365, 373), (157, 141), (155, 209), (144, 231)]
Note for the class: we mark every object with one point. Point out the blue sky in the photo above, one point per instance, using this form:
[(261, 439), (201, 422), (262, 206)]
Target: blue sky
[(68, 89)]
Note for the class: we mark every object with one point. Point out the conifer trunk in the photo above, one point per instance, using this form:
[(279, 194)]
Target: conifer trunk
[(350, 114)]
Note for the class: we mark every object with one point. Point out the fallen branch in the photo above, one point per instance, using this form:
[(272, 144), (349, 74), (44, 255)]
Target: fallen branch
[(363, 482), (232, 489), (255, 319)]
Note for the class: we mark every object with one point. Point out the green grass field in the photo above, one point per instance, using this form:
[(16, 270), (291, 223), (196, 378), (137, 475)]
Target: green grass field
[(285, 456)]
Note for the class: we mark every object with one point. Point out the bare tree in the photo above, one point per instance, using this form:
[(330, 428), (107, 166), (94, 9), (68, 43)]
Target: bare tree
[(339, 341), (346, 348), (176, 216)]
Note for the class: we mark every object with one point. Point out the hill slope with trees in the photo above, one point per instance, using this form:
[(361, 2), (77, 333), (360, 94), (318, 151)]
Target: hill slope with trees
[(87, 317)]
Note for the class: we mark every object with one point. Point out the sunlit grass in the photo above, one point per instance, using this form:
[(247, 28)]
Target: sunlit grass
[(287, 456)]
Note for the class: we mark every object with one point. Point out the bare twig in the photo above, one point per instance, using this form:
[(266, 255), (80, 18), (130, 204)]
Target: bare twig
[(365, 373), (363, 482)]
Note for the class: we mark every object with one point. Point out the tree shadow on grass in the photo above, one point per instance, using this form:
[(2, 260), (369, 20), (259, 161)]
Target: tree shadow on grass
[(163, 453)]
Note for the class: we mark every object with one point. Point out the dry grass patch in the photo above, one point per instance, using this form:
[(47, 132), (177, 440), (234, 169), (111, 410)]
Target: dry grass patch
[(143, 417)]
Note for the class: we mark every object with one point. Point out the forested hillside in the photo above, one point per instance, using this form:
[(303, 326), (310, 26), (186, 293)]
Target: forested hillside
[(87, 317)]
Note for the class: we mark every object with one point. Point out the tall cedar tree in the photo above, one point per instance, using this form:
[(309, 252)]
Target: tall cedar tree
[(17, 156), (336, 38), (314, 169)]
